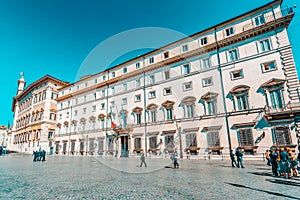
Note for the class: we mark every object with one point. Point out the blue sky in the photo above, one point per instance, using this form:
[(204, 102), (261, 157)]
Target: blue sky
[(54, 37)]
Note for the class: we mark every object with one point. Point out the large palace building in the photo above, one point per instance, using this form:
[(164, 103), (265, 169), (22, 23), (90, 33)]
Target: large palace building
[(232, 85), (34, 110)]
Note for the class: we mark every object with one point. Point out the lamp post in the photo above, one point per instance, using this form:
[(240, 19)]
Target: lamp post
[(145, 96)]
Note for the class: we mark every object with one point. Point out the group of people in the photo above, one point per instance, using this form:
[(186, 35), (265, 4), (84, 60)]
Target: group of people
[(238, 162), (283, 161), (39, 155)]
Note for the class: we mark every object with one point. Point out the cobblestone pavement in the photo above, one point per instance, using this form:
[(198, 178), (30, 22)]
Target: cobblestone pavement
[(90, 178)]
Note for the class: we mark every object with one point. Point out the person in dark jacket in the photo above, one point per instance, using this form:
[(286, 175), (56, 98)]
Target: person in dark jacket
[(239, 156), (233, 161), (273, 160)]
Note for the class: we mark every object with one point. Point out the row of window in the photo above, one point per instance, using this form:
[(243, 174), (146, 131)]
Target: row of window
[(232, 55), (280, 135)]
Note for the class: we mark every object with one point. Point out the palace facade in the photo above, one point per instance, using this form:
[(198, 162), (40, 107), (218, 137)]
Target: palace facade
[(232, 85), (34, 110)]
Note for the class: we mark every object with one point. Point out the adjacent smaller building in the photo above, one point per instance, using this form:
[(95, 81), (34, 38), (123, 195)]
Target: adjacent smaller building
[(34, 110)]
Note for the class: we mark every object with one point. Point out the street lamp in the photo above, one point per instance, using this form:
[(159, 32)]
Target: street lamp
[(179, 136)]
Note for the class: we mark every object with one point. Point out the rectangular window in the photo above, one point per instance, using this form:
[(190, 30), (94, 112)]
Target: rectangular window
[(245, 137), (186, 69), (187, 86), (242, 102), (203, 41), (124, 101), (229, 31), (169, 141), (52, 116), (207, 82), (124, 70), (102, 106), (138, 83), (138, 118), (167, 91), (265, 45), (153, 142), (185, 48), (282, 136), (104, 78), (213, 139), (77, 87), (84, 110), (113, 74), (152, 79), (84, 98), (86, 84), (268, 66), (151, 60), (276, 98), (137, 98), (103, 93), (95, 81), (112, 103), (125, 87), (237, 74), (191, 140), (205, 63), (60, 116), (137, 65), (152, 94), (211, 107), (166, 54), (75, 112), (259, 20), (95, 96), (153, 115), (94, 108), (137, 143), (167, 75), (233, 55)]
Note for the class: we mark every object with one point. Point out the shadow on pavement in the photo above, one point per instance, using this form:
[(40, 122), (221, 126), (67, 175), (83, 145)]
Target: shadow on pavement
[(255, 189), (283, 182), (261, 173)]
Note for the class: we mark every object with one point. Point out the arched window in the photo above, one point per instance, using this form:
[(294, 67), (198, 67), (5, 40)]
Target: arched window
[(240, 97), (210, 106), (274, 93), (168, 105), (188, 105), (152, 108)]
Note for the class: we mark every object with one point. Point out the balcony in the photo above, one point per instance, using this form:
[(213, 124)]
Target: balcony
[(269, 17)]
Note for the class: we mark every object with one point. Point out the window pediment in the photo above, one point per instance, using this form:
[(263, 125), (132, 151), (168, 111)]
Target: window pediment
[(273, 82), (239, 89), (101, 116), (188, 99), (209, 95), (152, 106), (137, 110), (168, 104)]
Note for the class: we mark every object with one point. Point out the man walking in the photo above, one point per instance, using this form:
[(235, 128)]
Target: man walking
[(239, 155), (175, 160), (143, 160), (233, 161)]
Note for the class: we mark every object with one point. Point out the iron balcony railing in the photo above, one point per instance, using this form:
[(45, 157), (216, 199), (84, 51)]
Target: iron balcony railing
[(269, 17)]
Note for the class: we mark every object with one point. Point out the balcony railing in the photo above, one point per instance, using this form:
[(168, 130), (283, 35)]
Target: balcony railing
[(269, 17)]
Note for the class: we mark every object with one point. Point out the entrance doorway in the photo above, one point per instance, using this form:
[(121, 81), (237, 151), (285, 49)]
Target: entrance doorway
[(124, 146)]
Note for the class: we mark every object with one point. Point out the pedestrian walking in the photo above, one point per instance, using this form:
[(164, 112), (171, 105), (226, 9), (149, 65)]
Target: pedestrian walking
[(284, 162), (267, 155), (233, 161), (43, 154), (294, 166), (175, 160), (143, 160), (239, 156), (273, 160), (34, 156)]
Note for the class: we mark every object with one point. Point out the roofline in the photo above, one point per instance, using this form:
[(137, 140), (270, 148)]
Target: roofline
[(212, 28), (32, 85)]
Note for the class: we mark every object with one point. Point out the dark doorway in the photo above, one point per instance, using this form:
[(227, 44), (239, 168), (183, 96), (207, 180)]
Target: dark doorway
[(124, 146)]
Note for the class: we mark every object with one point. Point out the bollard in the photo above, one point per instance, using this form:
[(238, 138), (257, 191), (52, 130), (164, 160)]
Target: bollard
[(263, 157)]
